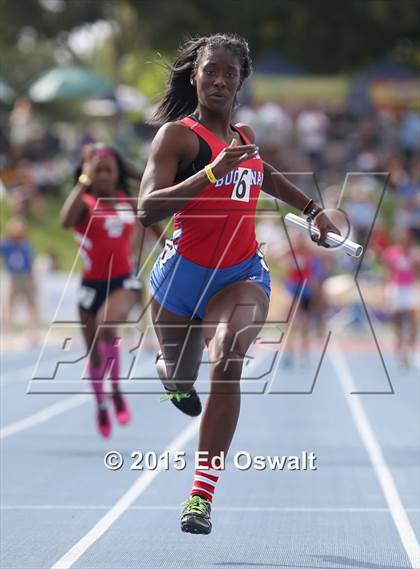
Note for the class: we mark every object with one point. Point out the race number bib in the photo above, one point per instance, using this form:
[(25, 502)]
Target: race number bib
[(242, 188)]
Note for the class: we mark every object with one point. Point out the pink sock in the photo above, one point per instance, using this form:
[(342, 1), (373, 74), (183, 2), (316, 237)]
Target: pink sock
[(96, 375), (111, 356)]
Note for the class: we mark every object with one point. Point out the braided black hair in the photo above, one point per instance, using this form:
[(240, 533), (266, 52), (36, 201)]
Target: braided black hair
[(180, 97)]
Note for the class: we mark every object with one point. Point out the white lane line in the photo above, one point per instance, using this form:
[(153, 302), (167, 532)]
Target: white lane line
[(126, 500), (156, 508), (44, 415), (386, 481)]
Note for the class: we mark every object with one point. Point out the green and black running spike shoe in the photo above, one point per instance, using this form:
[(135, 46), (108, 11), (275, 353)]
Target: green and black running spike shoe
[(195, 516), (189, 403)]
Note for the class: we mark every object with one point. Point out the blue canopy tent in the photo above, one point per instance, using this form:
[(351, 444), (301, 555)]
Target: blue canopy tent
[(273, 63), (359, 100)]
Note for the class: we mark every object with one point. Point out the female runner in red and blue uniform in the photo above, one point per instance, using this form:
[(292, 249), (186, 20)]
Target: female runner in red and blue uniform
[(103, 220), (211, 284)]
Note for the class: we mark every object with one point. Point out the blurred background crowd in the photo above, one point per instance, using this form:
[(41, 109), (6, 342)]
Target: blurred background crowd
[(334, 101)]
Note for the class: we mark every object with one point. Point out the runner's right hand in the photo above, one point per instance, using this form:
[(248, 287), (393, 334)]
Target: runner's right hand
[(232, 156)]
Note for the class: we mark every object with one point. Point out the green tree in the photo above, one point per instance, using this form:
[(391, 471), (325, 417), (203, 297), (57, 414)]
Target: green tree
[(321, 35)]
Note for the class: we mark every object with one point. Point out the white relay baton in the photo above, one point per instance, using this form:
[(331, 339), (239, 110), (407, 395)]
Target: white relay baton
[(350, 247)]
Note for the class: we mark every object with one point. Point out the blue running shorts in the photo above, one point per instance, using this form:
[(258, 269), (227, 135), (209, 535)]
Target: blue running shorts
[(185, 288)]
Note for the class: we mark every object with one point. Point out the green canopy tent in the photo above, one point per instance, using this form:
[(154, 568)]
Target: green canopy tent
[(67, 82)]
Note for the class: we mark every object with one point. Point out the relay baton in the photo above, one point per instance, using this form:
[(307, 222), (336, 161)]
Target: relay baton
[(350, 247)]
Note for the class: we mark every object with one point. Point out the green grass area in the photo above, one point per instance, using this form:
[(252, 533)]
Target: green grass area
[(47, 235)]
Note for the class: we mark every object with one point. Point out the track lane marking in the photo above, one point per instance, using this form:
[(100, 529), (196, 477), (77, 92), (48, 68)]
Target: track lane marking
[(126, 500), (377, 459), (44, 415)]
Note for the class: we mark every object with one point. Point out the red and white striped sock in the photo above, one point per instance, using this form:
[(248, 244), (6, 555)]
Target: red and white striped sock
[(205, 480)]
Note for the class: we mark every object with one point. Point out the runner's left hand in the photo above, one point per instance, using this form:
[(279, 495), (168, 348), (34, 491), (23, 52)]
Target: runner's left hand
[(323, 223)]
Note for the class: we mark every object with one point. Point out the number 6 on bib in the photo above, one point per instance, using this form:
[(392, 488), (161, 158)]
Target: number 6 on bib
[(241, 189)]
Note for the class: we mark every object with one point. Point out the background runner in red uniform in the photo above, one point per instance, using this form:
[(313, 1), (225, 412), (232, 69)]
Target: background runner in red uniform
[(103, 220)]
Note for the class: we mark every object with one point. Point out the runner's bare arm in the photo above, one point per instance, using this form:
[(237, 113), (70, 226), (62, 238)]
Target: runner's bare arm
[(74, 208), (159, 197), (277, 185)]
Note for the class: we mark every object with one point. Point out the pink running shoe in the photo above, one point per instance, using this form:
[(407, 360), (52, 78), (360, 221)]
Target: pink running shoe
[(122, 410), (104, 423)]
